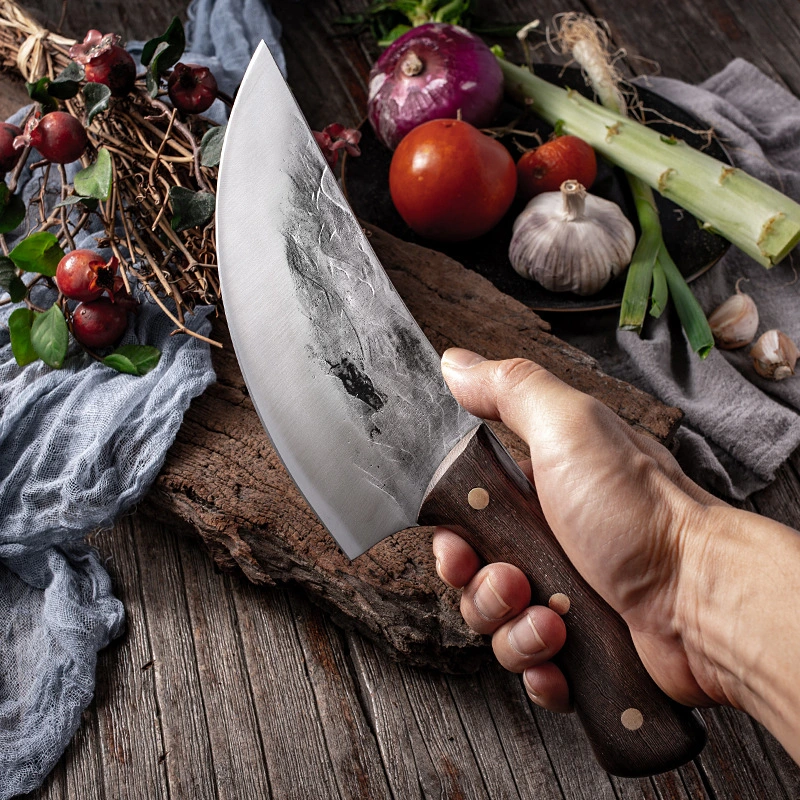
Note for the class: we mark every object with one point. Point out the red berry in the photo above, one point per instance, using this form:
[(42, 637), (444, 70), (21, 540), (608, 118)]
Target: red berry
[(191, 88), (116, 69), (83, 275), (58, 136), (8, 154), (104, 61), (547, 167), (99, 323)]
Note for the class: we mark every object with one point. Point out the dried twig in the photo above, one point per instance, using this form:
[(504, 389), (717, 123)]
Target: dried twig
[(152, 150)]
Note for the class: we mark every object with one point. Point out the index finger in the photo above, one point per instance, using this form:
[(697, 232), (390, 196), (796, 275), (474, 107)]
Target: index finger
[(456, 561)]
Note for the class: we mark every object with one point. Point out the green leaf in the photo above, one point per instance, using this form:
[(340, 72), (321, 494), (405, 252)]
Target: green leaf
[(174, 37), (75, 199), (50, 337), (394, 34), (68, 82), (12, 209), (39, 92), (133, 359), (39, 252), (7, 269), (497, 51), (159, 54), (211, 146), (10, 281), (97, 96), (189, 208), (19, 327), (153, 76), (121, 364), (452, 11), (95, 180)]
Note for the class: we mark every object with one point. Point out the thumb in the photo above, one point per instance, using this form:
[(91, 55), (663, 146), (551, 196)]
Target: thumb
[(518, 392)]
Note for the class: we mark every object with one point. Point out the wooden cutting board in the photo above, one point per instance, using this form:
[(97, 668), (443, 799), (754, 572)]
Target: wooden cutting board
[(222, 480)]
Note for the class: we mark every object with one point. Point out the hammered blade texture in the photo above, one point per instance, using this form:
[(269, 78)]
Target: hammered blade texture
[(346, 384)]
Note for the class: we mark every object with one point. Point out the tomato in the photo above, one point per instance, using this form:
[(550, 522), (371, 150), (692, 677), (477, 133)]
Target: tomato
[(548, 166), (451, 182)]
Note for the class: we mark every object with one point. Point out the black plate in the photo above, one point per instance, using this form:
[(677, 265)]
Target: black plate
[(366, 185)]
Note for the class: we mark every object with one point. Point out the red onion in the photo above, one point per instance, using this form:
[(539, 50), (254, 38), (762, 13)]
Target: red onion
[(433, 72)]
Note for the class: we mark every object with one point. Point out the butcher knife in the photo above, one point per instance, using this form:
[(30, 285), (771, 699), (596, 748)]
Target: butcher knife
[(352, 397)]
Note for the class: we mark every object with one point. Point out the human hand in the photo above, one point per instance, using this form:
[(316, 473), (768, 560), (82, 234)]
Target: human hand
[(625, 514)]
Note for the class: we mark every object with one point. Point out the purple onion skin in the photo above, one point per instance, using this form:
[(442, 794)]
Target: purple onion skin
[(455, 71)]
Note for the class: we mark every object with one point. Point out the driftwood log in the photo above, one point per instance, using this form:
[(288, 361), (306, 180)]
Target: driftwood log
[(223, 481)]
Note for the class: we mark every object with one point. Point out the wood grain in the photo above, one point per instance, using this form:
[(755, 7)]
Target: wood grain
[(129, 724), (234, 737), (547, 756), (183, 721), (350, 741)]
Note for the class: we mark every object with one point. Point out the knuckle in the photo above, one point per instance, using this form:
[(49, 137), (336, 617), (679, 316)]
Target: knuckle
[(515, 371)]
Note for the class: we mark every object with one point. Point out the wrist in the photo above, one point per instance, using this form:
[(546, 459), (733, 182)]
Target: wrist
[(710, 590), (738, 585)]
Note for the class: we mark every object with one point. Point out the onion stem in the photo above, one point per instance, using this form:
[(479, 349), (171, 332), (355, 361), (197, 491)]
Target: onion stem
[(691, 315), (640, 271), (660, 292)]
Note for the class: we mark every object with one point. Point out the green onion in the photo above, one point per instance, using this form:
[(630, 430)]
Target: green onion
[(691, 315), (758, 219), (640, 271), (660, 293)]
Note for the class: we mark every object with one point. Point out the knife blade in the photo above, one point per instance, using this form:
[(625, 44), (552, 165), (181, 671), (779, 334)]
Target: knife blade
[(351, 395)]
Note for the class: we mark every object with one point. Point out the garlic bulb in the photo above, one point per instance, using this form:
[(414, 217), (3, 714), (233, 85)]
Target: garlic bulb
[(774, 355), (734, 323), (571, 241)]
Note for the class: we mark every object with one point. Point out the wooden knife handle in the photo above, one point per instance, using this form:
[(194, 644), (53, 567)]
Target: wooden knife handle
[(634, 728)]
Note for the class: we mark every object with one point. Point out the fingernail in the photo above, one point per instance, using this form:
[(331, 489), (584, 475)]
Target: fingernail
[(458, 358), (524, 637), (442, 578), (533, 695), (489, 603)]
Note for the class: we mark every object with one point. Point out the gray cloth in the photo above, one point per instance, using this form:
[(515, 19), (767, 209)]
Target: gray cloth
[(739, 428), (78, 447)]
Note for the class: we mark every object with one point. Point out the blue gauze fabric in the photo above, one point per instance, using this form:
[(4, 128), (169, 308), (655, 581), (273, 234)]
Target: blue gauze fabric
[(78, 447)]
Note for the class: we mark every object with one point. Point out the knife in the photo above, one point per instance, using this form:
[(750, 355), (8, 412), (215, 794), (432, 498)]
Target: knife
[(351, 395)]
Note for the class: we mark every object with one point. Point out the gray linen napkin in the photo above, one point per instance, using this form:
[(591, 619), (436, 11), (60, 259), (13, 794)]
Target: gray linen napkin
[(739, 428)]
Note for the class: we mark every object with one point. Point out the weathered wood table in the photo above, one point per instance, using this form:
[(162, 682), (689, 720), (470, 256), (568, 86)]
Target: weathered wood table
[(221, 688)]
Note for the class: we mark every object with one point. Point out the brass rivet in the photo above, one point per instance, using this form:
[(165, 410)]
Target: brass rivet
[(559, 602), (632, 719), (478, 498)]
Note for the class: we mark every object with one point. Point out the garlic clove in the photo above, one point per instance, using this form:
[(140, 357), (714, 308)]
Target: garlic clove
[(735, 322), (571, 241), (774, 355)]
